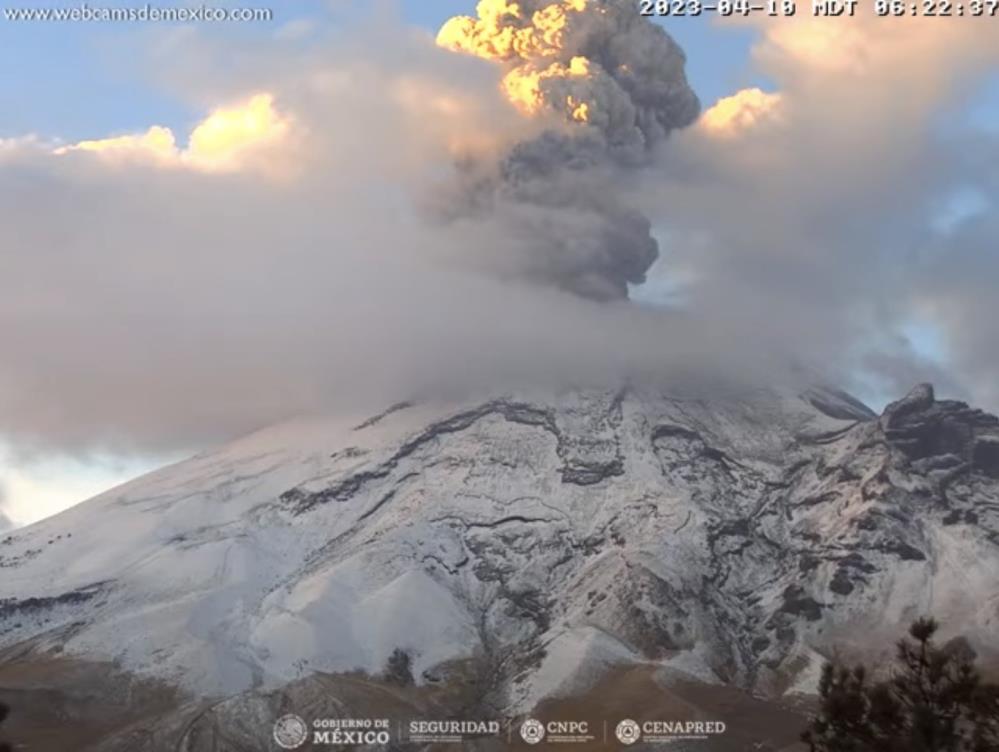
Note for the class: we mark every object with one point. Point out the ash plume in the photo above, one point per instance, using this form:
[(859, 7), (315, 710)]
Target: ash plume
[(613, 86)]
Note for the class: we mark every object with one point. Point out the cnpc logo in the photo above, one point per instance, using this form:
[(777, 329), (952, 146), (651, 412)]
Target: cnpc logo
[(534, 731)]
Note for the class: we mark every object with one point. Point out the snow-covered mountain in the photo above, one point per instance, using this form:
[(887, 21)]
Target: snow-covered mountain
[(528, 543)]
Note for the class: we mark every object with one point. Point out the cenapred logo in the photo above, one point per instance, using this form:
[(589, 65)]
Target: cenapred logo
[(290, 731), (532, 731), (628, 731), (667, 732)]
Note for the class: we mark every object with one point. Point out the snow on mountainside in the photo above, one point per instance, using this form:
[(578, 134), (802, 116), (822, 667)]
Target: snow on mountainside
[(538, 539)]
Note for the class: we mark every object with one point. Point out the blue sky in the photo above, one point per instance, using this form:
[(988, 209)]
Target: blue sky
[(68, 80)]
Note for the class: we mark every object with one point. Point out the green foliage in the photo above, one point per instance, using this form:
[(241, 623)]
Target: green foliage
[(934, 701)]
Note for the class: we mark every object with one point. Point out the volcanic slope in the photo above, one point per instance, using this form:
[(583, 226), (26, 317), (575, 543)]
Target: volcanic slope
[(526, 546)]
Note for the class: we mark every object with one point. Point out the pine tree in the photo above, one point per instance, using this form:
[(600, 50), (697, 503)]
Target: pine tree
[(4, 712), (934, 701), (399, 668)]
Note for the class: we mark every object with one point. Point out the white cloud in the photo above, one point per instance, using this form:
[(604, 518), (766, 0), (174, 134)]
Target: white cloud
[(230, 138), (816, 220)]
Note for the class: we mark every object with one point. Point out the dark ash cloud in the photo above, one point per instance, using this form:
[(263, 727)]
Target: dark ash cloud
[(618, 83)]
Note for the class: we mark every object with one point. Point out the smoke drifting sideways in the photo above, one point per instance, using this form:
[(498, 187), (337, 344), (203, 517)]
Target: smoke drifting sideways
[(613, 87)]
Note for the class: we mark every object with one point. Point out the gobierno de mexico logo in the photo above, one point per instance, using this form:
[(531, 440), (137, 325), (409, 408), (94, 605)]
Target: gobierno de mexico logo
[(290, 731)]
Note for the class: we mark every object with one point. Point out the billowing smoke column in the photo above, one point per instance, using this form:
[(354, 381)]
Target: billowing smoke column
[(618, 82)]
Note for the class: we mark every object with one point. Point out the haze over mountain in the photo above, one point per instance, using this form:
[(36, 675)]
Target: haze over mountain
[(285, 250)]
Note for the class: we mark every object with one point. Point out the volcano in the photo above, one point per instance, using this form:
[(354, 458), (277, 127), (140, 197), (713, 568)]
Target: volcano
[(518, 554)]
